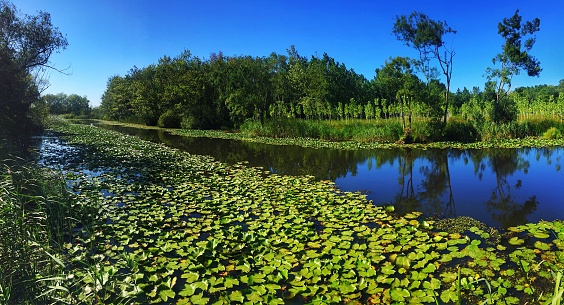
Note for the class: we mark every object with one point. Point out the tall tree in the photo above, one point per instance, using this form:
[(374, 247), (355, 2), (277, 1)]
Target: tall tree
[(426, 36), (397, 82), (26, 44), (513, 58)]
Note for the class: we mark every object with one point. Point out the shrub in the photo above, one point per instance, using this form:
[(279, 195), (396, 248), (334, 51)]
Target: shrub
[(552, 133), (462, 131), (169, 119)]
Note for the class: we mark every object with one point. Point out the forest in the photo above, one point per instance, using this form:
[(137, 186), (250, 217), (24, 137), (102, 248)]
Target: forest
[(224, 92), (230, 92)]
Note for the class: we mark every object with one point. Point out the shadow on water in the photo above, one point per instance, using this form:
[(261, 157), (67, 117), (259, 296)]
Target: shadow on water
[(501, 187)]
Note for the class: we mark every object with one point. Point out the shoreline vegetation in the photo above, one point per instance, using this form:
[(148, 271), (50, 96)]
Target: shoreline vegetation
[(168, 227), (506, 136)]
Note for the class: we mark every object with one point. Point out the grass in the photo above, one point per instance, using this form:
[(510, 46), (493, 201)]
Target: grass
[(38, 217), (33, 223)]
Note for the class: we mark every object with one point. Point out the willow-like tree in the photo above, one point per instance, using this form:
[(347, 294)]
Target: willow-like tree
[(427, 37), (514, 58), (26, 44)]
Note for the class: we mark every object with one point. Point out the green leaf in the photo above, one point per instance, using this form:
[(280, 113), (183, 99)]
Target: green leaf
[(434, 284), (230, 282), (430, 268), (516, 241), (448, 295), (190, 277), (399, 294), (166, 294), (199, 299), (542, 246), (347, 288), (188, 290), (237, 296)]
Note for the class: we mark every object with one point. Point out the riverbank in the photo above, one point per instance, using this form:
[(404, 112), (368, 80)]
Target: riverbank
[(174, 227), (537, 141)]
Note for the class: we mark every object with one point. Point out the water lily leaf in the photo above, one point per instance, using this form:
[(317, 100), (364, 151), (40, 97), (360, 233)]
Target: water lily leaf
[(199, 299), (542, 246), (448, 295), (237, 296), (541, 235), (399, 294), (434, 284), (388, 269), (430, 268), (347, 288), (166, 294), (516, 241), (314, 245), (254, 297), (272, 288), (230, 282), (402, 262)]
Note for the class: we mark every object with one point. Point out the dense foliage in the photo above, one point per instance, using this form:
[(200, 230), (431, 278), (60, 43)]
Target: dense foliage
[(26, 43), (61, 103)]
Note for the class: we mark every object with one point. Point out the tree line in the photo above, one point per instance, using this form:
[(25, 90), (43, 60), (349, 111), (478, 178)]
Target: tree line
[(225, 91)]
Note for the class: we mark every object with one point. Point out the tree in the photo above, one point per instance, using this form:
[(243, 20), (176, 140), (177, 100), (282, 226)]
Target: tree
[(62, 104), (426, 36), (397, 81), (26, 44), (513, 58)]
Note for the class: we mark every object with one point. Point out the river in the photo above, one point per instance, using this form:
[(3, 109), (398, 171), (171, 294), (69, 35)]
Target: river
[(500, 187)]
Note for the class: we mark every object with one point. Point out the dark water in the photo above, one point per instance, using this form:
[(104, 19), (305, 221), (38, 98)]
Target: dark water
[(501, 187)]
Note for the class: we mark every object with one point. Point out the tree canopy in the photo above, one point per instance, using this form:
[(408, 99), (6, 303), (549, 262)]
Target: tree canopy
[(514, 57), (26, 44), (427, 37)]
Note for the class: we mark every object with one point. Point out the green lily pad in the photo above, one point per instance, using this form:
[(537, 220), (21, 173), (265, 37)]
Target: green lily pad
[(516, 241)]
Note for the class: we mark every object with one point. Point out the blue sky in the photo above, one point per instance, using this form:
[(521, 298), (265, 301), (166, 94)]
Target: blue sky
[(109, 37)]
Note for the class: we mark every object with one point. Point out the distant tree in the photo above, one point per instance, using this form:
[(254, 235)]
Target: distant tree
[(426, 36), (67, 104), (513, 58), (26, 44), (396, 78)]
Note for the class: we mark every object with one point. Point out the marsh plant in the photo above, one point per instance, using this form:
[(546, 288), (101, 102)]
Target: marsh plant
[(35, 219)]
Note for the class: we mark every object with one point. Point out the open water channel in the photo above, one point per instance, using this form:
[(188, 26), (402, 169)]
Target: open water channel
[(500, 187)]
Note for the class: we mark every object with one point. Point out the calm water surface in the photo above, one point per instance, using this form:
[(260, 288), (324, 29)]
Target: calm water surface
[(501, 187)]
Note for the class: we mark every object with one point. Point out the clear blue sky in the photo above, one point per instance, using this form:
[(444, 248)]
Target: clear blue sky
[(109, 37)]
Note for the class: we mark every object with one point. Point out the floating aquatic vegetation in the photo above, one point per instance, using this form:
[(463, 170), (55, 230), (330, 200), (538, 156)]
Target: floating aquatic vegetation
[(179, 228)]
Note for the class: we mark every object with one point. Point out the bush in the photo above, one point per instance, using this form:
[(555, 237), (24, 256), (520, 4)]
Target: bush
[(552, 134), (169, 119), (462, 131)]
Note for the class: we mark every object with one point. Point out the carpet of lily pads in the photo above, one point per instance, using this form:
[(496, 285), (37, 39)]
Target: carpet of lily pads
[(175, 228)]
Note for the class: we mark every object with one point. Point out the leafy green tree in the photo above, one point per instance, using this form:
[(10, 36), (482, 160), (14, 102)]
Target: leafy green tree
[(426, 36), (117, 99), (67, 104), (398, 82), (26, 44), (514, 57)]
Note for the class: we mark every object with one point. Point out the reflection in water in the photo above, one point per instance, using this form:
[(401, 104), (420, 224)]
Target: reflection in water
[(501, 187)]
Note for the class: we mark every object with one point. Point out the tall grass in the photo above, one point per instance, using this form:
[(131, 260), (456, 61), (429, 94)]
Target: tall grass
[(388, 131), (358, 130), (36, 216)]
